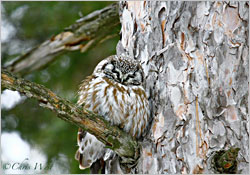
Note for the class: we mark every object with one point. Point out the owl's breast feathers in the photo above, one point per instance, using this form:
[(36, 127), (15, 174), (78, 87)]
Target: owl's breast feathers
[(114, 91), (124, 106)]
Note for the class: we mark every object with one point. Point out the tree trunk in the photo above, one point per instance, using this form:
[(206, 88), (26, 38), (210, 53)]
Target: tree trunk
[(195, 58)]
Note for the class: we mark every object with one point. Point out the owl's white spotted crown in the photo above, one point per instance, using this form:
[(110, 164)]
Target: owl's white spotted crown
[(125, 66), (124, 71), (115, 91)]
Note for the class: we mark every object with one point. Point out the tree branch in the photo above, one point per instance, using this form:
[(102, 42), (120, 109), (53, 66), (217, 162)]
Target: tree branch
[(111, 136), (85, 33)]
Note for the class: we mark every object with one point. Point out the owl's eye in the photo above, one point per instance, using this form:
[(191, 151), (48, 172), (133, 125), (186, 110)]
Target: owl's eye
[(108, 67), (133, 79), (111, 72), (117, 74), (130, 76)]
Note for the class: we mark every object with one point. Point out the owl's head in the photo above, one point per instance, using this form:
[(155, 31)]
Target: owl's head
[(124, 71)]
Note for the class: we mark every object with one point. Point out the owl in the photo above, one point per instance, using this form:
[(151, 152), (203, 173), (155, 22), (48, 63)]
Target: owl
[(115, 91)]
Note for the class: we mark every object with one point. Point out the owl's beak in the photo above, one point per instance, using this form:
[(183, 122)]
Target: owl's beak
[(122, 79)]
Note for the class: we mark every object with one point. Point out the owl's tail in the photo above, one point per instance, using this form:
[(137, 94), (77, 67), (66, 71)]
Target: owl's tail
[(90, 149)]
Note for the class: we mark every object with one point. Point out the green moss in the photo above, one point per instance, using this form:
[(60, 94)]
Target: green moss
[(225, 161), (115, 142)]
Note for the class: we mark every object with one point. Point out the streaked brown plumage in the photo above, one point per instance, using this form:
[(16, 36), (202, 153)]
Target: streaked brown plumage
[(115, 91)]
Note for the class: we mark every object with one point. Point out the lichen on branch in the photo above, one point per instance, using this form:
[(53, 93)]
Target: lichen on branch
[(115, 139)]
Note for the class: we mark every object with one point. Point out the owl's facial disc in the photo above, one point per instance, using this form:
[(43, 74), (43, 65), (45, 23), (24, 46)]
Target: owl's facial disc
[(110, 71), (134, 78), (123, 72)]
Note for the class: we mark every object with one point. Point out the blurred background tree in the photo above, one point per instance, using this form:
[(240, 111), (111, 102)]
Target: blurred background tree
[(25, 25)]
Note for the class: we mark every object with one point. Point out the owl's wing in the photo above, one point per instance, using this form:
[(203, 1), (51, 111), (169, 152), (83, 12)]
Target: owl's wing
[(90, 149)]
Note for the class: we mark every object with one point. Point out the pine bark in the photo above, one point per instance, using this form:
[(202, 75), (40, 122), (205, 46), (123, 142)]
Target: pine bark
[(195, 58)]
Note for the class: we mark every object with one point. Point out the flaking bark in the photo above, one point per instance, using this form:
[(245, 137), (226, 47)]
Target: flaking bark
[(195, 58)]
